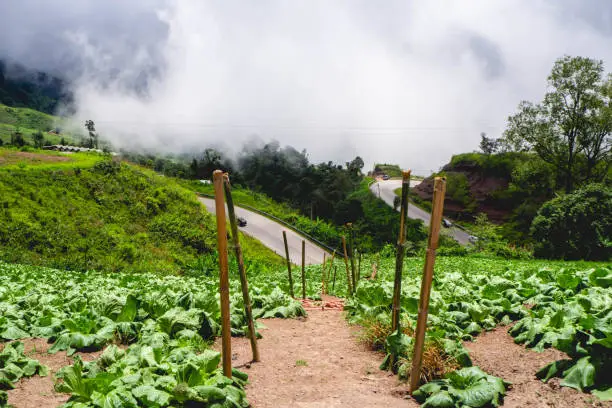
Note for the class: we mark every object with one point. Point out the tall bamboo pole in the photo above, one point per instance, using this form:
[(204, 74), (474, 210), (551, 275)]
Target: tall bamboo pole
[(323, 275), (346, 263), (288, 264), (401, 251), (226, 345), (243, 278), (352, 257), (359, 268), (303, 269), (334, 281), (428, 270)]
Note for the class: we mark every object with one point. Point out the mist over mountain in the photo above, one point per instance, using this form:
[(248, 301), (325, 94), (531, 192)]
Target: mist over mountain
[(403, 81)]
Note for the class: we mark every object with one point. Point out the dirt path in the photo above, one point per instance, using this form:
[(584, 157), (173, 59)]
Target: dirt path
[(497, 354), (316, 362), (38, 392)]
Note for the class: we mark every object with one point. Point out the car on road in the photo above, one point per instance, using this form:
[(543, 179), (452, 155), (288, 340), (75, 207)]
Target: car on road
[(472, 239), (446, 223), (386, 177), (241, 222)]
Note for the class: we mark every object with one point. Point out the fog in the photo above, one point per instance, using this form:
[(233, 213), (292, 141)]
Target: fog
[(408, 82)]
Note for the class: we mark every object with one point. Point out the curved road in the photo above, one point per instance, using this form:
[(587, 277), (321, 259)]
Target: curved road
[(270, 234), (386, 191)]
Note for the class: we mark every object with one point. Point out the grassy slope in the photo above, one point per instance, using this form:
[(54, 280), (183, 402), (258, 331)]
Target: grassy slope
[(29, 121), (106, 216)]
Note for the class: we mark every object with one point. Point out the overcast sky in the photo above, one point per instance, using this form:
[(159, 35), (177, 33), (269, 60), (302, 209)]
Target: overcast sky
[(408, 82)]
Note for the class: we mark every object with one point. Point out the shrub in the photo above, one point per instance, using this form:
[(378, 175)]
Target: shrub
[(575, 226)]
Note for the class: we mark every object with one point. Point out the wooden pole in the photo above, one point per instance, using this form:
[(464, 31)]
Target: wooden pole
[(359, 268), (346, 263), (226, 344), (428, 270), (323, 275), (352, 257), (241, 269), (400, 252), (303, 269), (288, 263), (334, 281)]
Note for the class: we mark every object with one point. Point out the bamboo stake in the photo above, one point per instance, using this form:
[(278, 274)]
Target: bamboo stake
[(226, 345), (352, 257), (359, 268), (243, 278), (346, 263), (288, 264), (331, 263), (303, 269), (399, 258), (334, 282), (428, 270), (323, 275)]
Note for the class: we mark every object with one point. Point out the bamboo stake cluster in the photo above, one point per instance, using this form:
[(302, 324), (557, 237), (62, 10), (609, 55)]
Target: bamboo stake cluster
[(428, 270)]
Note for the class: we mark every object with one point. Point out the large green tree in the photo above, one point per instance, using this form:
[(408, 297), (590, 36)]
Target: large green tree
[(572, 124)]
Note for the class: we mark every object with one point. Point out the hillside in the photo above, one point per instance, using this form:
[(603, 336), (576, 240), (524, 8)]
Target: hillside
[(20, 87), (477, 183), (28, 122), (86, 211)]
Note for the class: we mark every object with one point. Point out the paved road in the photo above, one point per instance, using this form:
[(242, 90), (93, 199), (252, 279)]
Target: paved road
[(386, 191), (270, 234)]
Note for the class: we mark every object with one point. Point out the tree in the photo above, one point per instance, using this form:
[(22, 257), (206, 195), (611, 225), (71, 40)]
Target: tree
[(487, 145), (93, 136), (569, 122), (38, 139), (17, 138), (575, 226)]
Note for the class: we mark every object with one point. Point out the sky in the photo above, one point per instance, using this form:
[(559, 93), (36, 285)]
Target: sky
[(408, 82)]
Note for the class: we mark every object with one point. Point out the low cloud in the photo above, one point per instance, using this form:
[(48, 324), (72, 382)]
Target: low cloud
[(405, 82)]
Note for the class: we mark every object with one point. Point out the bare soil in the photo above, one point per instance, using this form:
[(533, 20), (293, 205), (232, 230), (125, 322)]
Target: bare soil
[(316, 361), (12, 157), (497, 354), (38, 392)]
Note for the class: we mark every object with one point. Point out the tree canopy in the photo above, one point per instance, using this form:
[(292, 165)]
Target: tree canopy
[(570, 129)]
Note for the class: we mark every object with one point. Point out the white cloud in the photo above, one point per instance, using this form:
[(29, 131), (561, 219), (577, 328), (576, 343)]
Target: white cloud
[(407, 82)]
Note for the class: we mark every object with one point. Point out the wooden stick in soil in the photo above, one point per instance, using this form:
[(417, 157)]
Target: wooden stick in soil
[(359, 268), (243, 278), (400, 252), (346, 263), (428, 270), (331, 264), (352, 257), (323, 275), (303, 269), (288, 264), (226, 345), (334, 281)]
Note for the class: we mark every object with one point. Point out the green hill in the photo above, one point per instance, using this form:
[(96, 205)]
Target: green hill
[(28, 122), (87, 211)]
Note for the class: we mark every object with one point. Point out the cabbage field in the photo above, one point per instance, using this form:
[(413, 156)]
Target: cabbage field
[(562, 305), (167, 321), (156, 331)]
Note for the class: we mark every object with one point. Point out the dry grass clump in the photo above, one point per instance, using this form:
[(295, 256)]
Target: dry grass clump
[(375, 331)]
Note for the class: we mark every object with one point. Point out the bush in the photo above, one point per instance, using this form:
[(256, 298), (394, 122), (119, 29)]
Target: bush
[(575, 226)]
